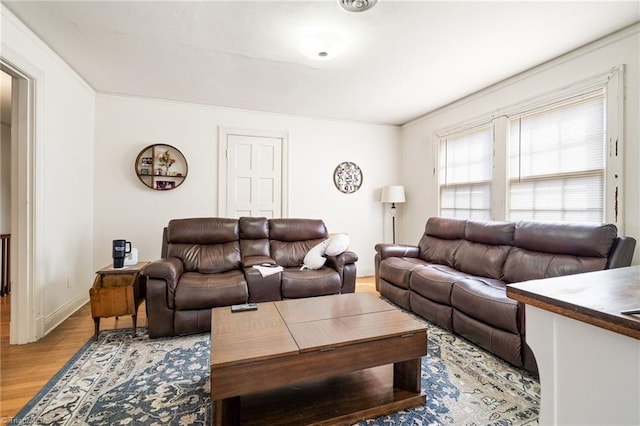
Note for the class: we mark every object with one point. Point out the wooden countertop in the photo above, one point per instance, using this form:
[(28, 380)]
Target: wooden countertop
[(596, 298)]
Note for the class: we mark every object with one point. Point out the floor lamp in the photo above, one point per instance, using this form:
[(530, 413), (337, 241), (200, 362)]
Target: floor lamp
[(393, 194)]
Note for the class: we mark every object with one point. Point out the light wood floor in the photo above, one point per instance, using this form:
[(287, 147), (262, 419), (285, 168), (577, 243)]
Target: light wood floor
[(25, 369)]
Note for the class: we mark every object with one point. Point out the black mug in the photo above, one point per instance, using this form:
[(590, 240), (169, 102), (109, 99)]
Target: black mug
[(120, 249)]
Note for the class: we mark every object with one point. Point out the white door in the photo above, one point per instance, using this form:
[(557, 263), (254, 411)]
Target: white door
[(254, 175)]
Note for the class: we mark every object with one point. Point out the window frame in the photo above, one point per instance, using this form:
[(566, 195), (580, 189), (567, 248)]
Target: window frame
[(611, 83)]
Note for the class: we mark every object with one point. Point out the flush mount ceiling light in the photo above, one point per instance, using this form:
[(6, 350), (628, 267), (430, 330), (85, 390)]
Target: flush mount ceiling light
[(357, 5), (322, 45)]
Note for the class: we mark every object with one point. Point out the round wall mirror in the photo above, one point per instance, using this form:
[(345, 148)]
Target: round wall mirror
[(161, 167)]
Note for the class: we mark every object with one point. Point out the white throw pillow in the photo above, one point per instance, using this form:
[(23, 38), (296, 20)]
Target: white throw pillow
[(337, 244), (314, 259)]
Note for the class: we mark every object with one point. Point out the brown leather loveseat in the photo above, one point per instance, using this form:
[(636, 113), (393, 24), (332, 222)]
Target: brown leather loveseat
[(456, 276), (208, 262)]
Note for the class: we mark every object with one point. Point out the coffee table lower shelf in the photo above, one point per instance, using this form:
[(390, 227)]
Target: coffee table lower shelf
[(341, 400)]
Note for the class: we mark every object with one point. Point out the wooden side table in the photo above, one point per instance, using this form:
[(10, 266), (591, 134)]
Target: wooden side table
[(117, 292)]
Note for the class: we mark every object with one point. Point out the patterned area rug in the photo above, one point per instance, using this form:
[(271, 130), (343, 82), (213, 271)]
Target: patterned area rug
[(121, 380)]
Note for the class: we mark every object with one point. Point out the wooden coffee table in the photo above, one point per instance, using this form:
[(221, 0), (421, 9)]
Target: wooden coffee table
[(315, 360)]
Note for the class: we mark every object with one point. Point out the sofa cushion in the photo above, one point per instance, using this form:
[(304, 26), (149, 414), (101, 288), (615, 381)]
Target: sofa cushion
[(441, 239), (397, 270), (446, 228), (437, 250), (291, 253), (582, 240), (481, 259), (254, 240), (434, 283), (207, 258), (486, 300), (297, 229), (490, 232), (204, 291), (309, 282), (523, 265), (211, 230)]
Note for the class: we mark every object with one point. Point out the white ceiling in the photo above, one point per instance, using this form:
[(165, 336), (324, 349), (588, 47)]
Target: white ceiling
[(404, 58)]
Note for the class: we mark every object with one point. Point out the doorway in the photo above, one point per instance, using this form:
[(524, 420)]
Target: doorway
[(5, 183), (252, 173), (19, 205)]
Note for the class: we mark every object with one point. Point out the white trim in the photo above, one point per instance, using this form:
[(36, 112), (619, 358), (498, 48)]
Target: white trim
[(65, 311), (223, 133), (611, 83), (26, 204), (615, 176)]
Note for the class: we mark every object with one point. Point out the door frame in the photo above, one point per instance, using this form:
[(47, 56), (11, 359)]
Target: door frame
[(27, 323), (223, 136)]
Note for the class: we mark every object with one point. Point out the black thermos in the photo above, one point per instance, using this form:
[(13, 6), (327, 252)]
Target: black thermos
[(120, 250)]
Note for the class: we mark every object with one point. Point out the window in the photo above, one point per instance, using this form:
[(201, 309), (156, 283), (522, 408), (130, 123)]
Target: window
[(557, 163), (465, 168), (555, 158)]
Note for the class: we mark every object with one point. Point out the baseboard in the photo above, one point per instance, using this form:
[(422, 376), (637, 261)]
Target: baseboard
[(364, 273), (56, 318)]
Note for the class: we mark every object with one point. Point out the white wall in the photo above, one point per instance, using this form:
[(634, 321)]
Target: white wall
[(419, 152), (125, 208), (64, 133)]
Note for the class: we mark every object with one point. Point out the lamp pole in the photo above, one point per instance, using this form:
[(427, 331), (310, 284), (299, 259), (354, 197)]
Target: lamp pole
[(392, 195), (393, 221)]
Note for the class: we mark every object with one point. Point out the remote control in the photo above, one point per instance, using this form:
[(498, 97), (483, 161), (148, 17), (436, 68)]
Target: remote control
[(244, 307)]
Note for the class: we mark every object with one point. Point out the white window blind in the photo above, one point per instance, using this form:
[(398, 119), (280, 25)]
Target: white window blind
[(465, 175), (557, 163)]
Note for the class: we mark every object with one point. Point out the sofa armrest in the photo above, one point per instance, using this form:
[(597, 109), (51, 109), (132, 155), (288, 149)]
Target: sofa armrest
[(342, 259), (384, 250), (345, 265), (621, 254), (169, 269), (396, 250)]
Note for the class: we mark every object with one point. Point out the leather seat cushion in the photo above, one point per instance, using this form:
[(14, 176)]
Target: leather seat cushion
[(309, 282), (435, 282), (203, 291), (486, 300), (397, 270)]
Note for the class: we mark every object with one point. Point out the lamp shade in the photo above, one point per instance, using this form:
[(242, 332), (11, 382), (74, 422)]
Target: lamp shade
[(393, 194)]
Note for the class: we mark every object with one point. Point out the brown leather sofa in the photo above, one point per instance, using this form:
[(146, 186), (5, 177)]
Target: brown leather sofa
[(456, 276), (208, 262)]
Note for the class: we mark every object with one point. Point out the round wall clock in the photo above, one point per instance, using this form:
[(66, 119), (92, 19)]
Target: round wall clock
[(347, 177)]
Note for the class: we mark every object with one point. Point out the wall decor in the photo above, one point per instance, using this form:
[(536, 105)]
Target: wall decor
[(161, 167), (347, 177)]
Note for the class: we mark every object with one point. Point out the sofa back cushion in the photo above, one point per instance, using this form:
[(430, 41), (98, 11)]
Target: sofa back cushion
[(485, 248), (291, 239), (546, 250), (205, 245), (442, 237), (254, 240)]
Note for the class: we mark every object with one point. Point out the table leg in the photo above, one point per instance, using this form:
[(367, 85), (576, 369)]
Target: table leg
[(226, 412), (135, 319), (96, 322), (406, 375)]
